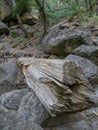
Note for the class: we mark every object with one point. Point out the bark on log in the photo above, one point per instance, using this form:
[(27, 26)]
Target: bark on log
[(60, 85)]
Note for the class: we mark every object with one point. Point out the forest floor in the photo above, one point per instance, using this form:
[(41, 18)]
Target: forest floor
[(15, 46)]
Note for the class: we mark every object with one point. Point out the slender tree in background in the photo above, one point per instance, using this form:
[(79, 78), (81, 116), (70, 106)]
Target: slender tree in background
[(97, 7), (40, 5)]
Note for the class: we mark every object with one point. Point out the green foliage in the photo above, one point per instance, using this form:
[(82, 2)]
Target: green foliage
[(82, 9), (22, 6), (56, 9)]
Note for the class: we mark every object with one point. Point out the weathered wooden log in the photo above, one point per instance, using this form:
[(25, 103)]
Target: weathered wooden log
[(60, 85)]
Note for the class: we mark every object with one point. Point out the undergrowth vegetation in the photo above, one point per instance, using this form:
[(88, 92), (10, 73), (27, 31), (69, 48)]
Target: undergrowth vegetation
[(50, 11), (83, 10)]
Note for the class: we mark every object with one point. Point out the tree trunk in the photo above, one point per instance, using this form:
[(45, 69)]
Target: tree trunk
[(97, 7), (42, 13)]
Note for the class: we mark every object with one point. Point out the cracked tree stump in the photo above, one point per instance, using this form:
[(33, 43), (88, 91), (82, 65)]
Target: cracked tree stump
[(60, 85)]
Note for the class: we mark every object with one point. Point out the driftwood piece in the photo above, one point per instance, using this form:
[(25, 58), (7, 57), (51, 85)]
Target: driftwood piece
[(59, 84)]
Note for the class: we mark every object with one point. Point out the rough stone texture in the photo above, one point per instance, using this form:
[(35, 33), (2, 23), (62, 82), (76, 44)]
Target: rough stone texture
[(90, 52), (10, 120), (5, 49), (28, 18), (85, 120), (16, 31), (22, 53), (3, 28), (11, 100), (95, 32), (26, 104), (8, 76), (90, 70), (62, 42), (95, 40), (32, 110), (5, 9)]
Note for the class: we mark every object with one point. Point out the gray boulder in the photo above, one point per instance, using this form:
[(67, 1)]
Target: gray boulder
[(10, 120), (63, 41), (89, 69), (32, 110), (5, 49), (11, 100), (8, 76), (84, 120), (90, 52), (5, 9), (3, 28), (26, 104), (95, 40)]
